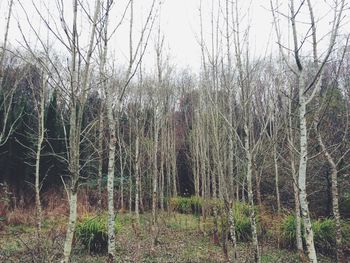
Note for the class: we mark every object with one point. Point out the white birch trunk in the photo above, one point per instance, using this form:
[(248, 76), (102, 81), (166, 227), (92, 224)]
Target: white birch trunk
[(137, 176), (76, 117), (100, 159), (110, 179), (155, 183), (309, 235), (335, 198), (41, 133), (252, 215), (71, 226), (276, 179)]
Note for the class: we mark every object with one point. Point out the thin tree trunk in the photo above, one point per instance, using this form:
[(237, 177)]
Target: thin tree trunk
[(252, 215), (299, 241), (76, 118), (309, 235), (110, 179), (258, 187), (137, 176), (335, 199), (100, 159), (71, 226), (174, 168), (277, 179), (111, 145), (121, 162), (155, 184), (161, 183), (130, 171), (41, 133)]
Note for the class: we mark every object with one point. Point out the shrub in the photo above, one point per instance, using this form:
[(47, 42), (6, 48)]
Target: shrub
[(186, 205), (288, 230), (194, 204), (242, 221), (346, 232), (324, 233), (344, 205), (92, 233)]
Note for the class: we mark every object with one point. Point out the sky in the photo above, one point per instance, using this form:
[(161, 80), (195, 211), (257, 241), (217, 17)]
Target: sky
[(179, 23)]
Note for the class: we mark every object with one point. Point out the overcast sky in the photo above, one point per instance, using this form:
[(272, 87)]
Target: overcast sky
[(179, 24)]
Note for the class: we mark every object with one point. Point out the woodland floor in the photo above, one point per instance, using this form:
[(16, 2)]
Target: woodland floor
[(180, 240)]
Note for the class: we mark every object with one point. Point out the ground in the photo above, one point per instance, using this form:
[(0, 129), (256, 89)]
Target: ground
[(182, 238)]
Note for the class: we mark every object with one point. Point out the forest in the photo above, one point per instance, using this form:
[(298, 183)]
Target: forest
[(244, 160)]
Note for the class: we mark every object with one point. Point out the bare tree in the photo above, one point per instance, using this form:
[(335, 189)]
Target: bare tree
[(6, 93), (306, 93)]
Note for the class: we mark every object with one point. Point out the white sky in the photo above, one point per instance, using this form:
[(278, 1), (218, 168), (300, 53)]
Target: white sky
[(179, 24)]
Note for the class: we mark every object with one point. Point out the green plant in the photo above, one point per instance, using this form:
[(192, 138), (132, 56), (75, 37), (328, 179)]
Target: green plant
[(345, 226), (242, 221), (288, 231), (92, 233), (193, 204), (324, 233), (344, 204), (186, 205)]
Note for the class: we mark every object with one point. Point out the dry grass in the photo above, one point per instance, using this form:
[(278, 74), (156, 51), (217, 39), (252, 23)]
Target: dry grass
[(21, 216)]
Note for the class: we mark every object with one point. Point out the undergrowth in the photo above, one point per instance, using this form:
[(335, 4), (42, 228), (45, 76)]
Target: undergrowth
[(92, 233), (324, 233)]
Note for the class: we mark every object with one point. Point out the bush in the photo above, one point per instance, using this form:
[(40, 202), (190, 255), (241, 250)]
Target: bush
[(288, 231), (92, 233), (242, 221), (344, 205), (186, 205), (324, 233)]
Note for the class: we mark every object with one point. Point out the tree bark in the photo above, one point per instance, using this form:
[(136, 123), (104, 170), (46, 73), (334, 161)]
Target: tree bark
[(110, 178), (100, 159), (252, 215), (335, 198), (71, 226), (309, 234), (155, 182), (275, 158)]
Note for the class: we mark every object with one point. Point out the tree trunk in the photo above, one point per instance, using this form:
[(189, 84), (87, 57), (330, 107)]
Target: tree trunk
[(335, 198), (309, 235), (252, 215), (110, 179), (71, 226), (122, 163), (37, 178), (162, 157), (41, 134), (137, 176), (258, 187), (299, 241), (100, 160), (275, 158), (232, 232), (155, 184), (130, 171), (174, 168)]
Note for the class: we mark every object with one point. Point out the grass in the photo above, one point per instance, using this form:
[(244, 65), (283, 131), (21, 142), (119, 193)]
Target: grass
[(182, 238)]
